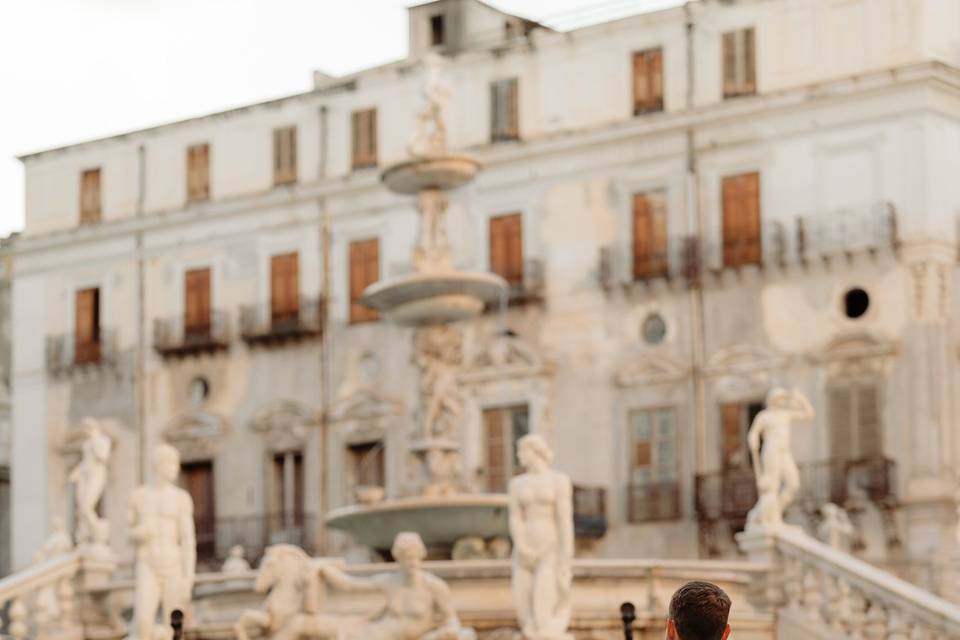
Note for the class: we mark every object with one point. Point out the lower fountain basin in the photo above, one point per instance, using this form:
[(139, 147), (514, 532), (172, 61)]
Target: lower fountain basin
[(439, 172), (440, 520), (424, 298)]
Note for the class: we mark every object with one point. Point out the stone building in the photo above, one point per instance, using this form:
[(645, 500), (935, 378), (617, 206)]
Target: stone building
[(691, 206)]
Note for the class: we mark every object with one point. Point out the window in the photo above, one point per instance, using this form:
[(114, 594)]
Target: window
[(649, 235), (648, 81), (736, 418), (853, 412), (90, 196), (287, 497), (368, 464), (437, 30), (198, 172), (506, 248), (285, 155), (284, 289), (504, 111), (653, 492), (364, 271), (739, 64), (364, 134), (87, 326), (503, 427), (196, 303), (197, 479), (742, 243)]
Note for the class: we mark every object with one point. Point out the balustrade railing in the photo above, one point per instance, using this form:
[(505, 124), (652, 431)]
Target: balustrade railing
[(651, 501), (267, 322), (589, 512), (215, 536), (175, 336), (65, 353), (40, 601)]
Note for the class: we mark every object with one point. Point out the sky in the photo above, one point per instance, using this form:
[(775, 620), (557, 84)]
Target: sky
[(72, 70)]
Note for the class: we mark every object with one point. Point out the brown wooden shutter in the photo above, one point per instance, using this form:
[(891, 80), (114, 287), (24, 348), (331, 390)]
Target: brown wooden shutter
[(649, 235), (198, 172), (90, 199), (648, 81), (742, 241), (869, 432), (496, 461), (730, 64), (504, 110), (284, 288), (369, 464), (197, 311), (364, 138), (506, 247), (839, 419), (87, 326), (285, 155), (364, 270), (299, 488), (749, 84), (731, 418), (197, 479)]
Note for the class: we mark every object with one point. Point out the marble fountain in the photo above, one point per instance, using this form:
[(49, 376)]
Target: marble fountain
[(432, 299)]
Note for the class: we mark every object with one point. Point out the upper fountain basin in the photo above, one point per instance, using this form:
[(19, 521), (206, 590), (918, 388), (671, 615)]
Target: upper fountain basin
[(433, 298), (444, 172)]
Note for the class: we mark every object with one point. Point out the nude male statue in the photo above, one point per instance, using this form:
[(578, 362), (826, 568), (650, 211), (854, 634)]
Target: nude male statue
[(778, 478), (161, 526)]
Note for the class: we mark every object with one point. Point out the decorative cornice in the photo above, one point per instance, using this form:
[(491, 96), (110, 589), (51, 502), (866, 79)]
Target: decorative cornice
[(648, 369)]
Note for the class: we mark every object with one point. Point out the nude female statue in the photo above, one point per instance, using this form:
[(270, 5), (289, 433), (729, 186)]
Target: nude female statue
[(90, 478), (418, 604), (541, 525), (778, 478)]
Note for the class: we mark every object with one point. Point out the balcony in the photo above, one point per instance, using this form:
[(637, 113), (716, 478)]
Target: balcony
[(589, 512), (215, 536), (619, 266), (262, 324), (653, 501), (173, 338), (867, 228), (65, 354)]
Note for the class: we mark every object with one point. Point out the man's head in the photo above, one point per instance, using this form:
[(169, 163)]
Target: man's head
[(166, 462), (698, 611)]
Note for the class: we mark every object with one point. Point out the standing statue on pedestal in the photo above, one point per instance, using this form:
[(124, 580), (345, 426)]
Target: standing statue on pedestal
[(430, 136), (778, 478), (89, 478), (541, 525), (161, 526)]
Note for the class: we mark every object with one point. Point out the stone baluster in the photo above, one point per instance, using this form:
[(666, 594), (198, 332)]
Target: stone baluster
[(812, 596), (919, 631), (897, 627), (18, 620), (856, 618), (66, 603), (876, 622), (792, 581), (44, 611), (837, 606)]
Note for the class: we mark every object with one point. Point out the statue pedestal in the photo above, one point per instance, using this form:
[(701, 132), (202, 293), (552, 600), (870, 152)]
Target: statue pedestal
[(759, 545), (98, 614)]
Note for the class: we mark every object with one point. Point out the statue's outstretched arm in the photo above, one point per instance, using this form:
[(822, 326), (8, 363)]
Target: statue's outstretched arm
[(804, 410), (341, 580)]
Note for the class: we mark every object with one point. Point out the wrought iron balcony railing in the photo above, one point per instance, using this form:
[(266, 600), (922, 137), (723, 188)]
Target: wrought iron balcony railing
[(589, 512), (267, 323), (65, 354), (215, 536), (865, 228), (651, 501), (175, 337)]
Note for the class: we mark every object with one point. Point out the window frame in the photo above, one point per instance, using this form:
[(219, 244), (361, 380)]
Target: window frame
[(198, 177), (515, 277), (357, 313), (653, 103), (741, 232), (364, 156), (509, 129), (285, 156), (740, 61), (88, 213), (510, 465)]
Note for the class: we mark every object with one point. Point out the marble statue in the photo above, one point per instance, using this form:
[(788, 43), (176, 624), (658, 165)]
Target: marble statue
[(57, 543), (541, 525), (432, 253), (418, 604), (291, 608), (836, 529), (89, 478), (429, 138), (160, 516), (235, 562), (778, 478), (437, 353)]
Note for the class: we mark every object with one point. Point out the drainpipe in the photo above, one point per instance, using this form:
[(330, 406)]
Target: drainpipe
[(140, 358), (695, 225), (325, 377)]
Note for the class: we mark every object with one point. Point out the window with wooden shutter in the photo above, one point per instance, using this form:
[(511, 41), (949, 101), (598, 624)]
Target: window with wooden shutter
[(364, 135), (739, 63), (648, 81), (196, 304), (364, 270), (649, 235), (90, 196), (284, 289), (503, 428), (854, 418), (368, 464), (742, 238), (198, 172), (506, 248), (87, 326), (288, 489), (735, 421), (284, 155), (504, 110), (197, 479)]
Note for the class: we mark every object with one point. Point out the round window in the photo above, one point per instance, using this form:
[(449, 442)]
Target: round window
[(856, 301), (654, 329), (198, 390)]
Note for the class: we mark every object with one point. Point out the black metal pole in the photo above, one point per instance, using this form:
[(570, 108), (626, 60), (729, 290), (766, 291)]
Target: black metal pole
[(176, 622), (628, 613)]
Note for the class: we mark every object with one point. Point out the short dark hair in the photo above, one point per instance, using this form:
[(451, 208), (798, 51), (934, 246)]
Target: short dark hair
[(700, 610)]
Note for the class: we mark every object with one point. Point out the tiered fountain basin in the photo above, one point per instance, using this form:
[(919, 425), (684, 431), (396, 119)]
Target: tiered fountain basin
[(440, 520), (434, 298), (441, 172)]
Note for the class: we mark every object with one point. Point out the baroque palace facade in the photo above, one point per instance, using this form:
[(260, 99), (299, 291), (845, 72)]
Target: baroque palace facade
[(691, 206)]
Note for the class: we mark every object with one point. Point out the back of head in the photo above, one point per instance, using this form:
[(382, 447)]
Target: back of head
[(699, 611)]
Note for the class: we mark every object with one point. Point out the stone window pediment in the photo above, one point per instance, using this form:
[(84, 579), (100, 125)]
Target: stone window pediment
[(502, 356), (197, 435), (744, 359), (860, 354), (285, 424), (365, 405), (648, 369)]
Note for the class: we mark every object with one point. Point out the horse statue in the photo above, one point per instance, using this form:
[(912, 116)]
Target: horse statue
[(293, 602)]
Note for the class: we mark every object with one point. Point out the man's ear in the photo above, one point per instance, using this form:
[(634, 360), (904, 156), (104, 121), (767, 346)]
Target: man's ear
[(726, 633), (672, 630)]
